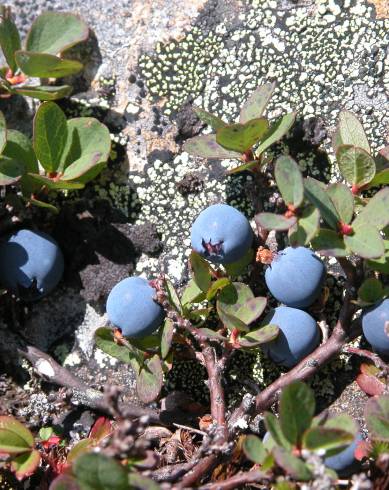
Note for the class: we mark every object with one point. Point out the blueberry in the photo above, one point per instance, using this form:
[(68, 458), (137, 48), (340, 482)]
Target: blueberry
[(344, 463), (373, 326), (295, 277), (31, 263), (132, 308), (221, 234), (298, 337)]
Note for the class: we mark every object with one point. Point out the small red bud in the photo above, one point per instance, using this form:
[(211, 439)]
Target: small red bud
[(355, 189), (345, 229)]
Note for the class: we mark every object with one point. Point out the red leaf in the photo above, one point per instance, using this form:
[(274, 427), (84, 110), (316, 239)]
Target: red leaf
[(370, 384), (51, 441), (369, 368), (101, 429), (362, 450)]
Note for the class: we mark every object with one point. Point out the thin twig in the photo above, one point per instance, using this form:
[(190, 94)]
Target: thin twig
[(375, 358), (190, 429), (237, 481)]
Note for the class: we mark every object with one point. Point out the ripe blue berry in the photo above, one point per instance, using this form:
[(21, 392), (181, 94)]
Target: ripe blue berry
[(298, 337), (344, 463), (221, 234), (295, 277), (132, 308), (373, 326), (31, 263)]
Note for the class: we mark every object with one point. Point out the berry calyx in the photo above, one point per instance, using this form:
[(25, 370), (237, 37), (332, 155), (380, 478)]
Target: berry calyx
[(265, 256)]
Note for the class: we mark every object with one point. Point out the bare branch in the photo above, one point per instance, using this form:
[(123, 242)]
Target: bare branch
[(238, 480)]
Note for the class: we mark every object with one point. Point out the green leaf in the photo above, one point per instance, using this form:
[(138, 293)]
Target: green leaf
[(149, 381), (326, 438), (43, 204), (167, 337), (230, 300), (45, 433), (366, 242), (251, 310), (172, 295), (241, 137), (19, 147), (54, 184), (213, 121), (50, 133), (381, 264), (329, 243), (274, 427), (81, 447), (80, 167), (255, 105), (211, 334), (380, 178), (254, 449), (293, 466), (244, 167), (376, 212), (316, 194), (86, 138), (11, 170), (64, 482), (377, 418), (9, 37), (205, 146), (344, 422), (371, 290), (140, 482), (307, 226), (15, 438), (43, 65), (201, 271), (42, 92), (55, 32), (217, 286), (297, 407), (289, 180), (3, 132), (105, 341), (271, 221), (351, 131), (356, 165), (95, 471), (238, 268), (262, 335), (24, 465), (277, 131), (343, 200), (192, 293)]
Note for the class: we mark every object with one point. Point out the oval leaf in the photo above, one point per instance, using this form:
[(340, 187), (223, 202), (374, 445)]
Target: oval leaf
[(274, 428), (205, 146), (50, 134), (95, 471), (370, 385), (343, 200), (231, 299), (271, 221), (43, 65), (329, 243), (242, 137), (351, 131), (55, 184), (293, 466), (326, 438), (366, 242), (192, 293), (277, 131), (377, 418), (201, 271), (55, 32), (217, 286), (11, 170), (19, 147), (150, 380), (306, 227), (254, 449), (14, 437), (289, 180), (25, 464), (44, 92), (260, 336), (316, 193), (255, 105), (297, 407), (251, 310), (3, 132), (9, 37), (167, 337), (213, 121), (355, 165), (172, 295), (105, 341), (376, 212), (371, 290)]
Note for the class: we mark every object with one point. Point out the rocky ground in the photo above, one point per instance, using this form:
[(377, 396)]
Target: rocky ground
[(146, 63)]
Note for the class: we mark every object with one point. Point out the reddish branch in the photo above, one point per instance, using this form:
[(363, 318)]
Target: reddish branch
[(375, 358)]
